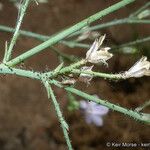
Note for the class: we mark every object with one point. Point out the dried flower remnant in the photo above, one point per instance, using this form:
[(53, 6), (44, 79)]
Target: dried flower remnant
[(139, 69), (88, 34), (93, 112), (96, 54), (86, 77), (69, 81)]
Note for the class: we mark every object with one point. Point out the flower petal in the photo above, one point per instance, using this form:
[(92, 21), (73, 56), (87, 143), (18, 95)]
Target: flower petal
[(100, 110), (97, 120), (89, 118), (83, 104)]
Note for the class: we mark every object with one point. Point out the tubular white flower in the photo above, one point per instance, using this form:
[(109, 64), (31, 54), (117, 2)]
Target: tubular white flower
[(96, 54), (139, 69)]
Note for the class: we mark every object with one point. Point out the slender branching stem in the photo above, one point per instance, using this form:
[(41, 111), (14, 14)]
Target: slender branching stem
[(48, 78), (73, 43)]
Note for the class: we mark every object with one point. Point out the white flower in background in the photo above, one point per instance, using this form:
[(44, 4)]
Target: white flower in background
[(87, 33), (93, 112), (1, 6), (96, 54), (139, 69), (86, 77)]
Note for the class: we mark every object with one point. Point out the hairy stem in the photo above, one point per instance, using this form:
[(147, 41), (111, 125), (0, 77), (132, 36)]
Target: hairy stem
[(59, 114), (16, 33)]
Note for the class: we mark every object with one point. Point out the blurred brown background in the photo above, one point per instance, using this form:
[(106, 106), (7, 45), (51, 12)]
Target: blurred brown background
[(27, 118)]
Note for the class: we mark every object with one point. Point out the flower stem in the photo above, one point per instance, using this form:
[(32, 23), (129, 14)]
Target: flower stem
[(99, 74)]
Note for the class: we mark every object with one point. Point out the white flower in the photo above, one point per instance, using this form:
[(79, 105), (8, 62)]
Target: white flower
[(97, 54), (139, 69), (86, 77), (93, 112)]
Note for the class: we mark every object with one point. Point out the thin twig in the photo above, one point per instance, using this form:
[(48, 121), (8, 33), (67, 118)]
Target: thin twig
[(134, 14), (146, 104), (22, 10)]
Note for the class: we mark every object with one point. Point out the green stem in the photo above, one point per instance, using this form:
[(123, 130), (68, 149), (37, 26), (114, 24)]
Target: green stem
[(67, 69), (146, 104), (59, 114), (25, 33), (16, 33), (70, 43), (67, 32), (99, 74), (138, 41), (113, 23), (19, 72), (140, 10), (73, 44)]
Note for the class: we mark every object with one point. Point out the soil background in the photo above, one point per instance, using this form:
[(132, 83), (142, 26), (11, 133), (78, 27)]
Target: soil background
[(27, 118)]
